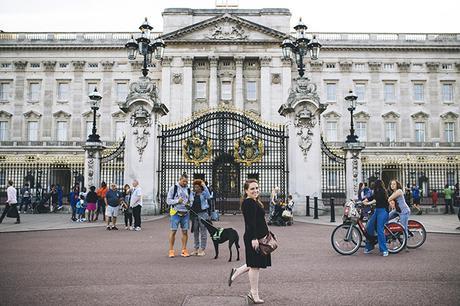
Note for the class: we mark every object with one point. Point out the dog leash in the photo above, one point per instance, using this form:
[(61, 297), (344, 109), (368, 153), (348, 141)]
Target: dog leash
[(206, 221)]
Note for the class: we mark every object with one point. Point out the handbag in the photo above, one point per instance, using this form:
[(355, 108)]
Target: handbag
[(268, 244), (12, 211)]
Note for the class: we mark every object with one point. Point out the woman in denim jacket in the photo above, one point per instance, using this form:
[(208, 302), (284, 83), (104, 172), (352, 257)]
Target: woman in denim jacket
[(199, 210)]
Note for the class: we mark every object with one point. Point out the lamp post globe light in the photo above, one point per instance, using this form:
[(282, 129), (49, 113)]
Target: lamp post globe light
[(351, 98), (301, 47), (146, 47), (95, 100)]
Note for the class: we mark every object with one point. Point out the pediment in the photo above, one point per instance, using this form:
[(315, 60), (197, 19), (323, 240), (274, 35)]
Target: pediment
[(32, 114), (61, 114), (449, 115), (4, 114), (90, 114), (332, 115), (361, 115), (390, 115), (119, 114), (420, 115), (224, 29)]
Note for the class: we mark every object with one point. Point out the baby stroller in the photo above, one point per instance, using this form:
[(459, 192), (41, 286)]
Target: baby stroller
[(287, 214), (42, 206), (277, 217)]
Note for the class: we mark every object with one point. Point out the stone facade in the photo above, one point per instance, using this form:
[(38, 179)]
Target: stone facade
[(408, 84)]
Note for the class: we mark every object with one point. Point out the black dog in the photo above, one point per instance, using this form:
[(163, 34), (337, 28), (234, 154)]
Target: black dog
[(227, 234)]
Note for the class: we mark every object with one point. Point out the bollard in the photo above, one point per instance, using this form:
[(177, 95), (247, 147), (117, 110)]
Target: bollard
[(332, 210), (315, 203), (307, 213)]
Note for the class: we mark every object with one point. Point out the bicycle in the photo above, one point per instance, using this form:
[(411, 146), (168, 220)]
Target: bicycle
[(417, 233), (347, 238)]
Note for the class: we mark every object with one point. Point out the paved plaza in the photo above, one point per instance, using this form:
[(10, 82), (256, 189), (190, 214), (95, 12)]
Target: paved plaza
[(92, 266)]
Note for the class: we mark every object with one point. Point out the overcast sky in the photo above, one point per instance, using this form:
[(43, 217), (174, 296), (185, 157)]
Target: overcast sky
[(406, 16)]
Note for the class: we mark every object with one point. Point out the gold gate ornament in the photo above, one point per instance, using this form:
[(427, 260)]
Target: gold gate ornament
[(197, 149), (248, 150)]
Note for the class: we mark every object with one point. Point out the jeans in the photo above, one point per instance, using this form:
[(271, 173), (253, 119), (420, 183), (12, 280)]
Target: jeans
[(26, 202), (449, 205), (381, 217), (128, 219), (403, 219), (200, 232), (137, 216)]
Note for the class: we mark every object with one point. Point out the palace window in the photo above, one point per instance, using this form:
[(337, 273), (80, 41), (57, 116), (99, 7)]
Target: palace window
[(419, 92), (330, 66), (389, 93), (200, 90), (89, 128), (449, 131), (251, 91), (331, 130), (119, 130), (360, 66), (5, 65), (34, 91), (360, 92), (390, 131), (32, 131), (226, 90), (331, 92), (388, 67), (35, 65), (361, 131), (93, 65), (446, 66), (61, 130), (122, 91), (420, 131), (4, 91), (63, 91), (3, 130), (447, 92), (63, 65), (91, 85)]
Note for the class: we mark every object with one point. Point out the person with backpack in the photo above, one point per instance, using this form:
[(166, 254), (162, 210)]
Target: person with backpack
[(178, 200)]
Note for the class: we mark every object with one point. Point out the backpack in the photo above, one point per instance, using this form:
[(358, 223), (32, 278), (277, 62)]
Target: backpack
[(172, 211), (175, 191)]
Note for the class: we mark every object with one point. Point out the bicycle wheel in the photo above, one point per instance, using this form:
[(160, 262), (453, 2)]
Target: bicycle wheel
[(339, 240), (395, 236), (417, 234)]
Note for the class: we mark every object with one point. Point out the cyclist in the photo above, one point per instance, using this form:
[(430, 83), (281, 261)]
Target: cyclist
[(380, 197), (398, 204)]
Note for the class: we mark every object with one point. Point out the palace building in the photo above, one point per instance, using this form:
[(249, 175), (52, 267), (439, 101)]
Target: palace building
[(223, 75)]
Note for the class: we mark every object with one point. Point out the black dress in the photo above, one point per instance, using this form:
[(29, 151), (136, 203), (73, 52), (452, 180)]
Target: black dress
[(255, 228)]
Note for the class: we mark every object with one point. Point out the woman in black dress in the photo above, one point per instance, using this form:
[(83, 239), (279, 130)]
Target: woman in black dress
[(255, 228)]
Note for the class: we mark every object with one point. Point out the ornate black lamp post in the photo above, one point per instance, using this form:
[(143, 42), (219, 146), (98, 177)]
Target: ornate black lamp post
[(301, 47), (144, 46), (95, 98), (352, 99)]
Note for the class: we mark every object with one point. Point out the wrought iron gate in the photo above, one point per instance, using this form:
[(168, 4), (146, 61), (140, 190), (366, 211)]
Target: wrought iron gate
[(113, 166), (333, 172), (224, 147)]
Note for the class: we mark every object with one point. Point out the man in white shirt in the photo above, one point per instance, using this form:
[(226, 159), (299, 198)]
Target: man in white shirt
[(136, 203), (11, 204)]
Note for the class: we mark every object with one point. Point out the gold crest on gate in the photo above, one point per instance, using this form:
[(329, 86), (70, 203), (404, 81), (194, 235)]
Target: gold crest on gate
[(248, 150), (197, 149)]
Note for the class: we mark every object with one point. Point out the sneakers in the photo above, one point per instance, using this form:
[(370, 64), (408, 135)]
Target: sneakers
[(126, 228), (17, 222), (201, 253), (108, 228), (115, 228), (171, 254), (131, 228), (137, 229), (385, 254), (184, 253), (366, 251), (194, 252)]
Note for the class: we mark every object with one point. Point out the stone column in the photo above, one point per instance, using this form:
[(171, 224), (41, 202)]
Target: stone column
[(265, 84), (353, 169), (239, 87), (79, 101), (166, 81), (141, 154), (93, 154), (213, 82), (302, 110), (19, 101), (286, 78), (106, 108), (187, 87)]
